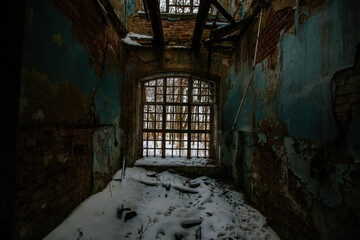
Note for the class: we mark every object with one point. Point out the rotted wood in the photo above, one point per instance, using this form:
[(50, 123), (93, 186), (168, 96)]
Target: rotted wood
[(148, 183), (200, 22), (154, 12), (185, 189), (191, 222)]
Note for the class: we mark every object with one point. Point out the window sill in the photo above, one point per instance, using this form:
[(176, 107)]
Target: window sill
[(173, 16), (175, 162)]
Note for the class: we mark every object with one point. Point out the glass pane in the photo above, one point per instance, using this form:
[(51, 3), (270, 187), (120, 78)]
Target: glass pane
[(150, 94), (151, 152)]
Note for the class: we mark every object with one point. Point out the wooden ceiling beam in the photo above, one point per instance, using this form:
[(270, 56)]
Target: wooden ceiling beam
[(230, 28), (154, 12), (223, 11), (200, 22)]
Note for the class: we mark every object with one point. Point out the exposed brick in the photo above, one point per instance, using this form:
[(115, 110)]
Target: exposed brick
[(342, 108), (341, 100), (343, 117), (177, 32), (345, 90), (270, 35), (355, 79), (43, 179)]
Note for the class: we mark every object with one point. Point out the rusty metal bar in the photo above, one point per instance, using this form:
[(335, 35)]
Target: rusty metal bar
[(163, 147)]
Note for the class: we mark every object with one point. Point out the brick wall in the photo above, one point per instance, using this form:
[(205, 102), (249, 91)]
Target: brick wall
[(54, 176), (176, 32), (58, 113), (346, 104), (270, 35), (277, 195)]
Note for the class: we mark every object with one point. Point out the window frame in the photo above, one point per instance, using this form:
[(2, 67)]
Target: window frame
[(179, 6), (208, 152)]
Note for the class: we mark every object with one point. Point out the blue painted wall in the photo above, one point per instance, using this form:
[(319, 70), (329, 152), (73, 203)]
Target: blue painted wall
[(323, 44), (289, 108), (51, 50), (50, 47)]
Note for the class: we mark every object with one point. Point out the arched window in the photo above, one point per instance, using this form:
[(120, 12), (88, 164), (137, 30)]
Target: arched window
[(177, 117)]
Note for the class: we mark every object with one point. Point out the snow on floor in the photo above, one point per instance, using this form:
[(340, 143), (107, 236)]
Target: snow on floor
[(173, 161), (160, 213)]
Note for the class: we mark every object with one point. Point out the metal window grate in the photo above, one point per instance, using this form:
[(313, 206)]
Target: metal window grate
[(177, 117), (179, 6)]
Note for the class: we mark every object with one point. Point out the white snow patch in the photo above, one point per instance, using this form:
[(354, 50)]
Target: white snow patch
[(173, 161), (223, 211), (139, 36), (177, 47), (129, 41)]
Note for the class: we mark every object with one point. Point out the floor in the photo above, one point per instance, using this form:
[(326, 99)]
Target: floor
[(148, 205)]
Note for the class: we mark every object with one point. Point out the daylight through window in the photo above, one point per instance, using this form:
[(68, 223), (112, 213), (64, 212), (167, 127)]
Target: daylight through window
[(179, 6), (177, 117)]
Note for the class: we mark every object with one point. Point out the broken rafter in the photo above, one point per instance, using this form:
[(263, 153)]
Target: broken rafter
[(223, 11), (200, 22), (109, 15), (154, 12), (212, 25), (232, 38), (230, 28)]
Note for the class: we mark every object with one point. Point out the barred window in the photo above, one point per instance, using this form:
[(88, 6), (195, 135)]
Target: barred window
[(179, 6), (177, 117)]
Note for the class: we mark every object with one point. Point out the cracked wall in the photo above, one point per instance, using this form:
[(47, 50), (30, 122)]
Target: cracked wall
[(69, 136), (295, 148)]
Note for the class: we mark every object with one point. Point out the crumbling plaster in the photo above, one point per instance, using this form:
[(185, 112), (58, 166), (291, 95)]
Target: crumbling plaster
[(288, 112)]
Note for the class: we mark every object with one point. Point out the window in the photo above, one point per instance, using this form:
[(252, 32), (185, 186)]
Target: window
[(178, 117), (179, 6)]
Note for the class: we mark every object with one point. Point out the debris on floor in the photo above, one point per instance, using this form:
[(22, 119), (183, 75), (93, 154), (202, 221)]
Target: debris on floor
[(201, 208), (191, 222)]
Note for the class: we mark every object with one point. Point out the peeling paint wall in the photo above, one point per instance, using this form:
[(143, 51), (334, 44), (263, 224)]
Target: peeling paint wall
[(296, 147), (69, 136)]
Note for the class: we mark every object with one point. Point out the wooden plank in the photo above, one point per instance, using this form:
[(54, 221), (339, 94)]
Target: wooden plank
[(223, 11), (154, 12), (200, 22)]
